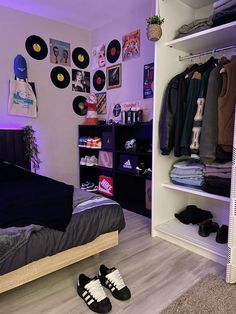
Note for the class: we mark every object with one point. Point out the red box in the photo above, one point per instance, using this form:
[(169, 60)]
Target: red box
[(105, 185)]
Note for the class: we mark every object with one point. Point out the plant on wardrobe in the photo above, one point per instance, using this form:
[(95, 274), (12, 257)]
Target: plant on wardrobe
[(154, 30), (31, 150)]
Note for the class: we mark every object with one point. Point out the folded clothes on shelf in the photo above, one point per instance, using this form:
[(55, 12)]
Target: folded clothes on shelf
[(194, 27), (224, 16), (188, 172)]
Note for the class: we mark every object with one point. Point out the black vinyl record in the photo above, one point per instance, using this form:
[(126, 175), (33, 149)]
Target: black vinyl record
[(36, 47), (99, 80), (60, 77), (113, 51), (80, 57), (79, 106)]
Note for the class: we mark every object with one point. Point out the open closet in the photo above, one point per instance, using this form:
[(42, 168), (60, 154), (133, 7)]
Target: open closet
[(173, 56)]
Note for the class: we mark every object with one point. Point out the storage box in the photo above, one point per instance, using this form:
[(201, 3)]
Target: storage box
[(105, 159), (105, 185), (107, 141), (128, 163)]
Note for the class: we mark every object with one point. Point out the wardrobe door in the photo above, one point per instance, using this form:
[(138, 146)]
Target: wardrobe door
[(231, 262)]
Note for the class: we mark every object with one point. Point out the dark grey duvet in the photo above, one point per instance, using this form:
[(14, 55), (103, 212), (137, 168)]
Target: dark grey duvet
[(86, 224)]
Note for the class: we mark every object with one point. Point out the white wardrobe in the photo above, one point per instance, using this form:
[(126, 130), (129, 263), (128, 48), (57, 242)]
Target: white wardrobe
[(167, 198)]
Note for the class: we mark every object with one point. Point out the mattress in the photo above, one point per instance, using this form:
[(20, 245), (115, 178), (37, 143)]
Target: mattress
[(84, 227)]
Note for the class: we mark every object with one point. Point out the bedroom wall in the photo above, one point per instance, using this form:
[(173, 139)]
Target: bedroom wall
[(56, 125), (132, 70)]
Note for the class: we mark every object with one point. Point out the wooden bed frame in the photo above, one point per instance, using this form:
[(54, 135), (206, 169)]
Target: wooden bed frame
[(49, 264), (58, 261)]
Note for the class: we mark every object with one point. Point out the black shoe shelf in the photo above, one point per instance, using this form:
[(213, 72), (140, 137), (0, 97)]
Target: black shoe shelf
[(129, 188)]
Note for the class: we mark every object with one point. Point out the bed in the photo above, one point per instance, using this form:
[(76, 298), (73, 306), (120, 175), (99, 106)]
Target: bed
[(37, 251)]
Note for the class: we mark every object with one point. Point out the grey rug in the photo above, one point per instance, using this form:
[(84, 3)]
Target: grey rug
[(211, 295)]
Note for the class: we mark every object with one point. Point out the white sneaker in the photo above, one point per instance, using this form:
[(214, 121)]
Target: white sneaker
[(94, 160), (83, 160)]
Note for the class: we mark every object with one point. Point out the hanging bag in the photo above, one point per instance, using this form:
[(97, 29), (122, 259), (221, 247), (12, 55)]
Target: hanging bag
[(22, 99)]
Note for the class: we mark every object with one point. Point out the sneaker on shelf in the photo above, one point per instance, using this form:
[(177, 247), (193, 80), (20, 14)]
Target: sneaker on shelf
[(131, 145), (140, 168), (91, 291), (84, 185), (97, 143), (112, 280), (92, 187), (83, 160), (94, 160), (88, 162), (82, 141), (148, 172), (89, 142)]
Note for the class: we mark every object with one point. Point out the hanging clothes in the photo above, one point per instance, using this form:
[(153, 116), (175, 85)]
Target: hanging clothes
[(226, 107)]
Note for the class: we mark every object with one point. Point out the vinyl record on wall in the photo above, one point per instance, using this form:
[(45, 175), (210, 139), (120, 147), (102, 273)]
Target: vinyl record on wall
[(99, 80), (80, 57), (79, 106), (36, 47), (60, 77), (113, 51)]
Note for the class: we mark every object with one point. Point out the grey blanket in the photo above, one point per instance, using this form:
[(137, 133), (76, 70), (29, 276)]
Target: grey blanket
[(11, 239)]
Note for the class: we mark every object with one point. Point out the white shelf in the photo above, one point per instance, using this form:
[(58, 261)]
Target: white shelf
[(199, 192), (188, 235), (217, 37), (197, 4)]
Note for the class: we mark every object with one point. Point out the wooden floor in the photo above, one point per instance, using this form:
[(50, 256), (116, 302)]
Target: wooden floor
[(156, 271)]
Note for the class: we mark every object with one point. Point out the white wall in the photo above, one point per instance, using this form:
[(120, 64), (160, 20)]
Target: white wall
[(132, 70), (56, 125)]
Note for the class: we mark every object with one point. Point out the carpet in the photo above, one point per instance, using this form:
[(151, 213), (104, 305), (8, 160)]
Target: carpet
[(211, 295)]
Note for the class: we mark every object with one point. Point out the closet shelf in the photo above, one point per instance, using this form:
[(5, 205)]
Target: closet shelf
[(197, 4), (189, 235), (220, 36), (196, 192)]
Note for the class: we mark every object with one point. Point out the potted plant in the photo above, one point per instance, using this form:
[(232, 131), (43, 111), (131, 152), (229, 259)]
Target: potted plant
[(154, 30), (31, 149)]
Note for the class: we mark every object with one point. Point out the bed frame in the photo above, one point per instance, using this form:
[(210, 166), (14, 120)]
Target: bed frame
[(12, 150)]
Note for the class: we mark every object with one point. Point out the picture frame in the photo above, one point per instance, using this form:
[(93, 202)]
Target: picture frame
[(114, 74)]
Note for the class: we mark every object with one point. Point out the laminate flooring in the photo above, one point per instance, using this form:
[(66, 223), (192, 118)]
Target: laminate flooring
[(156, 271)]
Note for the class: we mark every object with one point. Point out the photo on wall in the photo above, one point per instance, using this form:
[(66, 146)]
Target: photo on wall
[(131, 45), (114, 76), (148, 77), (101, 103), (80, 81), (60, 52), (98, 57)]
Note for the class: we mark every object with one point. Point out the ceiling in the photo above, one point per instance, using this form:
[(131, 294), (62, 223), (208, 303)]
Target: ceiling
[(88, 14)]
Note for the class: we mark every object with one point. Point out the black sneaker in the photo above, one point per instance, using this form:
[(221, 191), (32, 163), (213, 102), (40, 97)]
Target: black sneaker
[(91, 291), (84, 185), (112, 280)]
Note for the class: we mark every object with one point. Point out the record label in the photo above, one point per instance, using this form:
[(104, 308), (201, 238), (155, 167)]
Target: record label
[(99, 80), (80, 57), (36, 47), (79, 106), (113, 51), (60, 77)]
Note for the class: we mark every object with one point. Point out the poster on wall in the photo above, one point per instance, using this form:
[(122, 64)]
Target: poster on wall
[(131, 45), (98, 57), (80, 81), (148, 77), (114, 76), (114, 113), (101, 103), (59, 52)]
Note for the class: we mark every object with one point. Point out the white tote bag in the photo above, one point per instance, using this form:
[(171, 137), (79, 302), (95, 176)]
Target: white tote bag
[(22, 99)]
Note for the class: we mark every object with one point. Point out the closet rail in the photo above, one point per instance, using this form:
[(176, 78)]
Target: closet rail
[(206, 53)]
